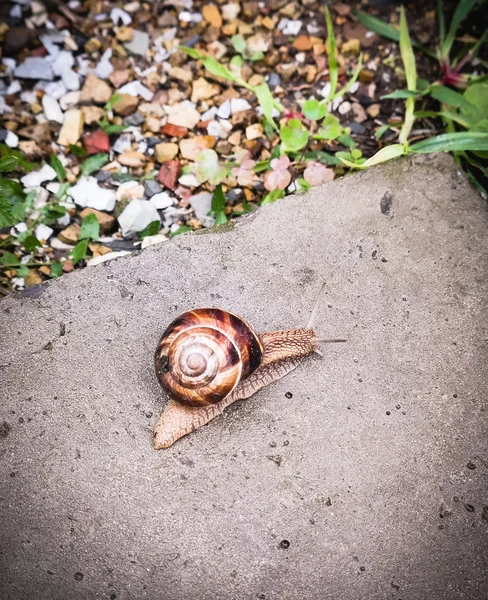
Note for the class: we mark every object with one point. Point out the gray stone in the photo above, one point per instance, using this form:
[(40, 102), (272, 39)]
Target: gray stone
[(152, 187), (360, 475), (139, 43), (34, 67)]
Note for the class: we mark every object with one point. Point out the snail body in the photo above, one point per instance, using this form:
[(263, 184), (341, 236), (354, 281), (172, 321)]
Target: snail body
[(208, 358)]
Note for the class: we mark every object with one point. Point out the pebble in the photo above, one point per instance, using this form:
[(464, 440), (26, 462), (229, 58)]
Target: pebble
[(72, 127), (344, 108), (289, 27), (139, 44), (35, 178), (135, 120), (130, 190), (95, 90), (201, 204), (150, 240), (254, 131), (183, 115), (43, 232), (189, 180), (105, 257), (64, 61), (34, 67), (70, 235), (92, 114), (224, 110), (239, 105), (122, 143), (96, 141), (161, 200), (132, 158), (136, 216), (152, 187), (120, 16), (135, 88), (70, 100), (52, 110), (56, 89), (230, 11), (191, 147), (87, 192), (107, 222), (11, 139), (71, 80), (203, 90), (165, 151)]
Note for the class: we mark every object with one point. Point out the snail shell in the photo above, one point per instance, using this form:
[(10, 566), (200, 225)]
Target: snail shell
[(204, 354)]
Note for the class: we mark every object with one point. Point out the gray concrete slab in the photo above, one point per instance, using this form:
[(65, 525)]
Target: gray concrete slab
[(369, 483)]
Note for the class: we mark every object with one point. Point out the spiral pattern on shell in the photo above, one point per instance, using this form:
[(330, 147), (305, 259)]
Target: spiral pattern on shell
[(204, 353)]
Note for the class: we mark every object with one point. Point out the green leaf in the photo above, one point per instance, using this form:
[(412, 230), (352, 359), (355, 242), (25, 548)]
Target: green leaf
[(453, 142), (272, 197), (237, 61), (346, 140), (63, 190), (52, 212), (218, 204), (220, 217), (292, 135), (477, 96), (6, 217), (56, 269), (462, 10), (331, 48), (151, 229), (314, 110), (79, 251), (111, 129), (442, 23), (12, 190), (78, 151), (58, 167), (22, 271), (11, 153), (9, 260), (381, 131), (90, 227), (210, 63), (8, 163), (408, 59), (182, 229), (401, 94), (239, 43), (266, 102), (323, 157), (94, 163), (331, 129), (377, 25), (383, 155), (449, 96), (114, 98), (31, 243)]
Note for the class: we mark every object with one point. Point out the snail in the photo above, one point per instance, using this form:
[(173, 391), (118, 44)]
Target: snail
[(208, 358)]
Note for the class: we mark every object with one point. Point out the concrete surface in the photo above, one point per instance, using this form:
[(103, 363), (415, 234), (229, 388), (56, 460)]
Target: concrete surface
[(369, 483)]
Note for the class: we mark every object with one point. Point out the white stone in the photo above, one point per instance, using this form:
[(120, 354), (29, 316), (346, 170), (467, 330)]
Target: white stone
[(239, 105), (12, 140), (224, 110), (130, 190), (56, 89), (161, 200), (189, 180), (135, 88), (219, 129), (183, 115), (57, 244), (136, 216), (43, 232), (41, 198), (122, 143), (105, 257), (139, 43), (14, 87), (71, 80), (87, 192), (34, 67), (4, 107), (19, 228), (344, 108), (35, 178), (29, 97), (150, 240), (53, 187), (64, 61), (117, 14), (230, 11), (64, 221), (290, 27), (209, 114), (105, 67), (201, 204), (69, 100), (52, 110)]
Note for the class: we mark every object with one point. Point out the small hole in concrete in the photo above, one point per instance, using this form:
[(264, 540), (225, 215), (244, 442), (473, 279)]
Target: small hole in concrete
[(285, 544)]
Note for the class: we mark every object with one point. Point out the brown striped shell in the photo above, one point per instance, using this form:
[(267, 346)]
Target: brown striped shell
[(204, 353)]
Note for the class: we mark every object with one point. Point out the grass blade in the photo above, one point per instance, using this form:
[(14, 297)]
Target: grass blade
[(442, 23), (385, 154), (408, 59), (474, 141), (462, 10), (331, 48), (354, 77)]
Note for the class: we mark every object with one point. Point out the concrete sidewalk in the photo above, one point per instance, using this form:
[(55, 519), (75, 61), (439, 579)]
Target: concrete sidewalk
[(370, 482)]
